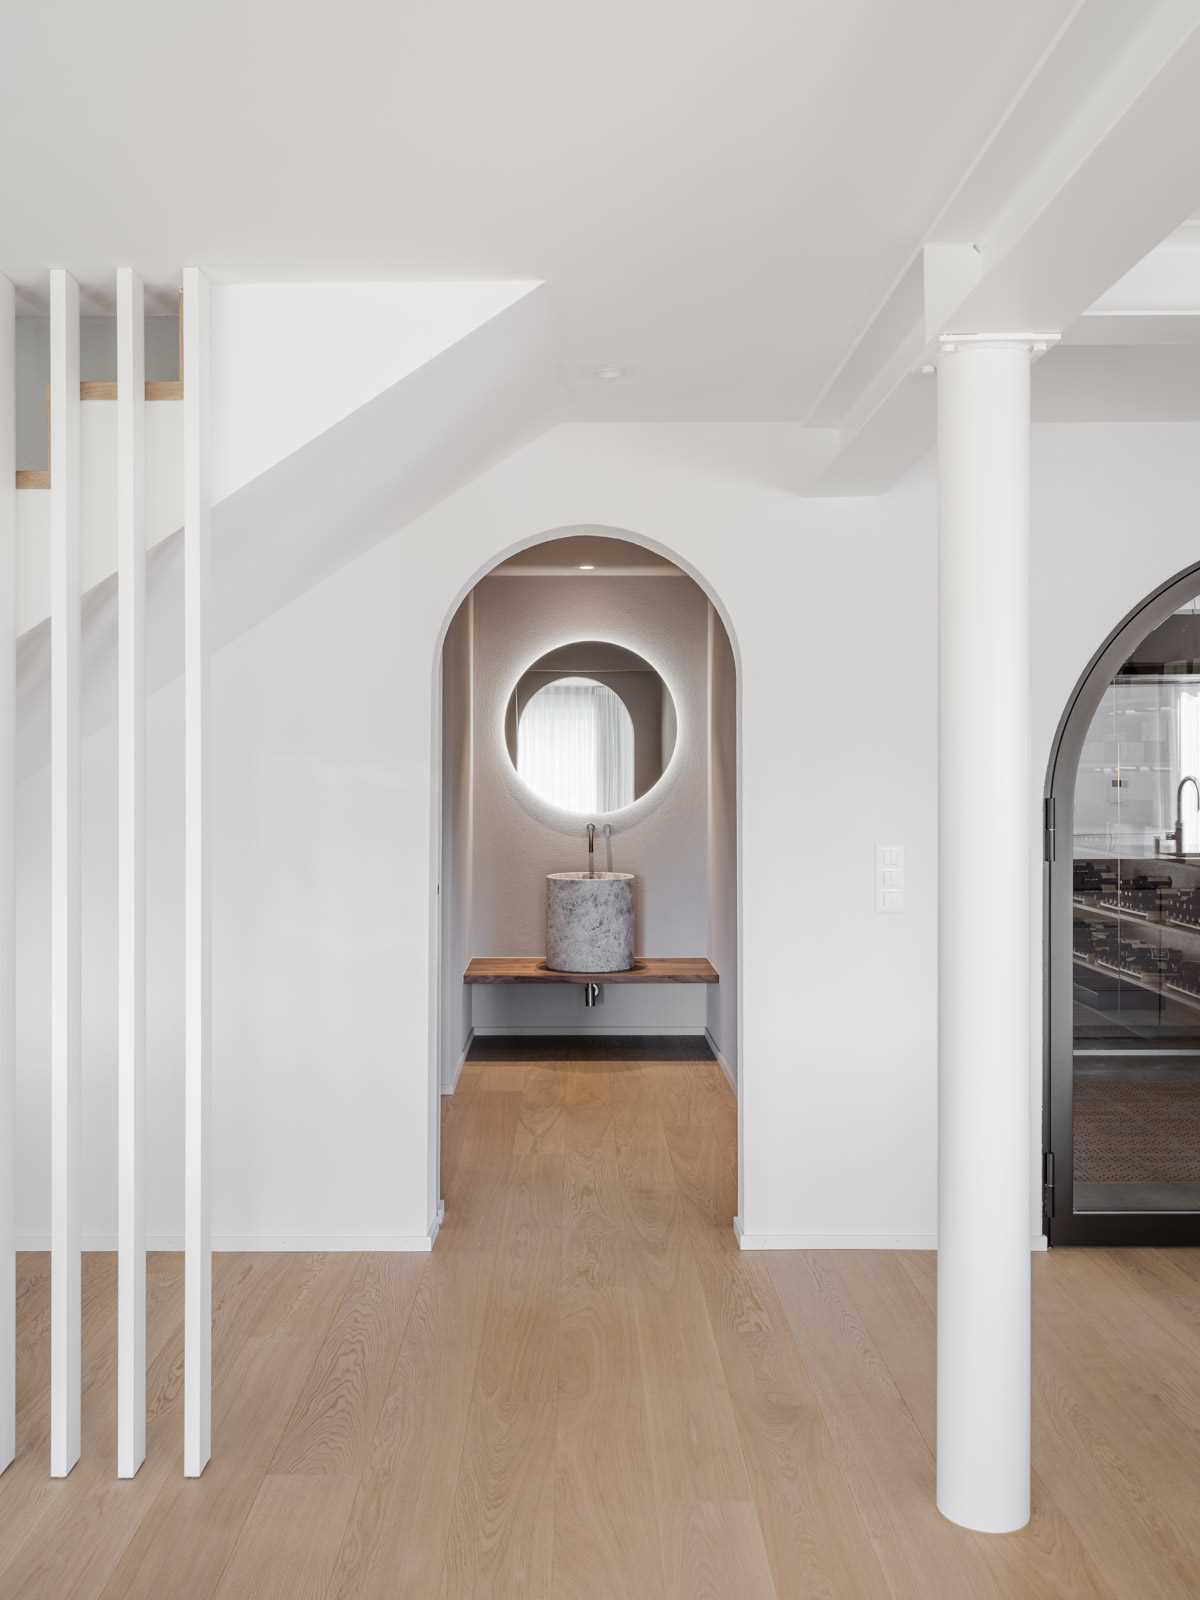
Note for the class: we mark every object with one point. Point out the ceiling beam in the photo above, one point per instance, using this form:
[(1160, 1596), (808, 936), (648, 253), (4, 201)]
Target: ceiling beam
[(1093, 166)]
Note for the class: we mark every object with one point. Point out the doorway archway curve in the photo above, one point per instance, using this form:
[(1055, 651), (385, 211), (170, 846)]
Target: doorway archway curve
[(1063, 1224), (593, 530), (561, 531)]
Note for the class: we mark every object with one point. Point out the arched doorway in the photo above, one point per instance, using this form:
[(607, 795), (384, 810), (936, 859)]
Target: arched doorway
[(677, 628), (1122, 937)]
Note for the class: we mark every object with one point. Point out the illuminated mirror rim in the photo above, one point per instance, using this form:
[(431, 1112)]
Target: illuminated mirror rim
[(574, 823)]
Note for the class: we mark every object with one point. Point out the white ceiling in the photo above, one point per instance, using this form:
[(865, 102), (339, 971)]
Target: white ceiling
[(718, 195)]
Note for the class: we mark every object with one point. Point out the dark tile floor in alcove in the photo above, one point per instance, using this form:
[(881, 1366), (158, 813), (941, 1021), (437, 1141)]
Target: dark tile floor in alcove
[(598, 1048)]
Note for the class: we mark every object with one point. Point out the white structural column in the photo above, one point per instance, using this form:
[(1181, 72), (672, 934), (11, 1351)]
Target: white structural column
[(197, 1328), (131, 891), (984, 795), (65, 879), (8, 972)]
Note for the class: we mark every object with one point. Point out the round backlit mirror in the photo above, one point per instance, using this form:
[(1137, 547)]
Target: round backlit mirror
[(590, 727)]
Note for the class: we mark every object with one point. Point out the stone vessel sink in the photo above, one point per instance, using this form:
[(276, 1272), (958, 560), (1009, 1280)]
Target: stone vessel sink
[(589, 922)]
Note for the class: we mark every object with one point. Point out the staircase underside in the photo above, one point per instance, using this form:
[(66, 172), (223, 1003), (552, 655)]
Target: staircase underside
[(320, 508)]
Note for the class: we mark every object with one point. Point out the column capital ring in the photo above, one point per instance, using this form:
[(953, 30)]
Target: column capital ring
[(1036, 343)]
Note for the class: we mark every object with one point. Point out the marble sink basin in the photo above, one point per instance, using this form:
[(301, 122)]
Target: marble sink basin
[(589, 922)]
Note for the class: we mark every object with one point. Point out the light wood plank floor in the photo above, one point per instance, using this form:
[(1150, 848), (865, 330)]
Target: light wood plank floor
[(587, 1391)]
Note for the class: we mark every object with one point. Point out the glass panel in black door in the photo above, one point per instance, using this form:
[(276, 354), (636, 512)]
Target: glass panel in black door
[(1136, 915)]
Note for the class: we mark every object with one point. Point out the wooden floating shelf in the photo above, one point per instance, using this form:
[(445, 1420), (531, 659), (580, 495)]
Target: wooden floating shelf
[(32, 478), (533, 969)]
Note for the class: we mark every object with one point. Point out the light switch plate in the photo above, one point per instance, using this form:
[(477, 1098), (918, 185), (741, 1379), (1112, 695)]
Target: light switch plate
[(889, 879)]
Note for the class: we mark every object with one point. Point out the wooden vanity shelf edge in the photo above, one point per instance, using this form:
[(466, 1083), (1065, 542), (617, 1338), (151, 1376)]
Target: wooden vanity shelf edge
[(532, 969)]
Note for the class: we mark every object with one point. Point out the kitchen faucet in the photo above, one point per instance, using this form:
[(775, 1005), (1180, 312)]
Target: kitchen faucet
[(1177, 835)]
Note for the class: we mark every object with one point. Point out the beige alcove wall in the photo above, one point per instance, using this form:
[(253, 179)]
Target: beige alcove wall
[(499, 840)]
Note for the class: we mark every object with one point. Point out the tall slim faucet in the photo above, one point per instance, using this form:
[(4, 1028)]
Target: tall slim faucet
[(1178, 834), (592, 845)]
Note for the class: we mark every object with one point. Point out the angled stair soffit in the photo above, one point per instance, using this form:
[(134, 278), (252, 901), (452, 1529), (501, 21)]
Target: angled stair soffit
[(291, 360), (394, 434)]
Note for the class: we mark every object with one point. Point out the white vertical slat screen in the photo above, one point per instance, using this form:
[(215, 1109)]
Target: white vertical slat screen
[(131, 889), (197, 1376), (65, 1068), (8, 975)]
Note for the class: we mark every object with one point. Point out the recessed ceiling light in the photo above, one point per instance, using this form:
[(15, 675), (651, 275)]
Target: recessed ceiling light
[(609, 374), (586, 566)]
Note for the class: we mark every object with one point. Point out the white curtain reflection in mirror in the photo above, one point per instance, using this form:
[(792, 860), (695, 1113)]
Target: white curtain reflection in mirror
[(575, 746)]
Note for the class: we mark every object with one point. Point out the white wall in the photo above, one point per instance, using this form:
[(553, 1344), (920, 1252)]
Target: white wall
[(839, 728), (458, 836), (517, 620), (324, 1089), (323, 732), (320, 940), (722, 843)]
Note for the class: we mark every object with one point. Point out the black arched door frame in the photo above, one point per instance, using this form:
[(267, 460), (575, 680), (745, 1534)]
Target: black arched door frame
[(1064, 1226)]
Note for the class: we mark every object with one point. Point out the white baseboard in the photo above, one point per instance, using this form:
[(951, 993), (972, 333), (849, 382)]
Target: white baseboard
[(730, 1077), (833, 1241), (846, 1241), (598, 1029), (449, 1088), (265, 1243)]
